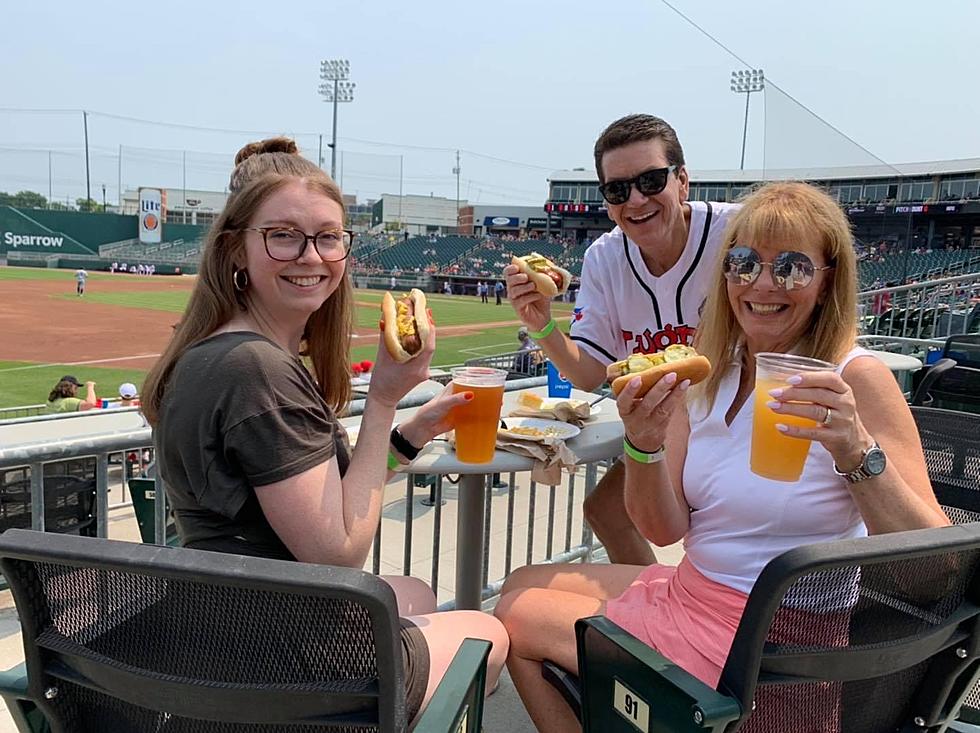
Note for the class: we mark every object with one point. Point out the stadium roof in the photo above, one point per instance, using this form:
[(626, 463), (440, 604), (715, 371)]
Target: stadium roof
[(930, 168)]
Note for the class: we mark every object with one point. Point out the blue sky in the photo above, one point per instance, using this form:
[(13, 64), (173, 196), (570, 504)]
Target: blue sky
[(529, 83)]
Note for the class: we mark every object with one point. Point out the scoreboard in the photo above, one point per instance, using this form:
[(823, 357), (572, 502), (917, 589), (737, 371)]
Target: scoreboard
[(559, 207)]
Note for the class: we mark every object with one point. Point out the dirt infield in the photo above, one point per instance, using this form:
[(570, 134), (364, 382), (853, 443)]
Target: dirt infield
[(39, 326)]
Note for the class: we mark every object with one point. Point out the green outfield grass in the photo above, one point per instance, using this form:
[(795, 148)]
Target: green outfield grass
[(23, 383), (20, 386), (41, 273)]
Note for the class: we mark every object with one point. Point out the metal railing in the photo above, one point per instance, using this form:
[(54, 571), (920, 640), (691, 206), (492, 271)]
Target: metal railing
[(565, 536), (7, 413), (934, 309)]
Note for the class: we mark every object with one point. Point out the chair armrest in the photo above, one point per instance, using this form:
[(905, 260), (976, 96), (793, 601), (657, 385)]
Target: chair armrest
[(921, 396), (627, 685), (13, 682), (457, 704), (566, 683)]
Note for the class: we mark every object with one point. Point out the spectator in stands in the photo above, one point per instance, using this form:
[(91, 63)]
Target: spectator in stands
[(128, 395), (688, 477), (528, 361), (64, 397), (237, 412), (641, 290)]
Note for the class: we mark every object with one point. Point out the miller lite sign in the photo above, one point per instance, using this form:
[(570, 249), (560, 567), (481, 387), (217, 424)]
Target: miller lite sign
[(151, 214)]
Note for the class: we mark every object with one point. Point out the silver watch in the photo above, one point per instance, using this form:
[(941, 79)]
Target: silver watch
[(873, 462)]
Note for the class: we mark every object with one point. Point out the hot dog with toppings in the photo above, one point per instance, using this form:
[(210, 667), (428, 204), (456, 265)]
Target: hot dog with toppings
[(651, 368), (548, 278), (405, 324)]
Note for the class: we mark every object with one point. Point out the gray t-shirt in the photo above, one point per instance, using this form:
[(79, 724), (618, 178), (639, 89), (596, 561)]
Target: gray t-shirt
[(239, 412)]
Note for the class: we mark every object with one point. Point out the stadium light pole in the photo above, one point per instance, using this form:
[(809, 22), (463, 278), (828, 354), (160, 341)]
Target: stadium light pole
[(746, 82), (335, 89)]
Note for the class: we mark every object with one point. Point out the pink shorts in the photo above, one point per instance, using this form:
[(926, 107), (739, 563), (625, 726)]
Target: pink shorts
[(688, 618)]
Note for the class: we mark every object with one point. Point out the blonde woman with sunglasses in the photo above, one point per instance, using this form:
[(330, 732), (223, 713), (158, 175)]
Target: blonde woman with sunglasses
[(784, 282)]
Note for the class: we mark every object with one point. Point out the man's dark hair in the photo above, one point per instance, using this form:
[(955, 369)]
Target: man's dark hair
[(637, 128)]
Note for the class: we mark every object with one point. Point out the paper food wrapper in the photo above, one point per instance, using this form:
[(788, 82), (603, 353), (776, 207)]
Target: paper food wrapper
[(550, 456), (574, 412)]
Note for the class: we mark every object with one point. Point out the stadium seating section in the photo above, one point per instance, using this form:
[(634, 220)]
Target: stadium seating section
[(483, 257)]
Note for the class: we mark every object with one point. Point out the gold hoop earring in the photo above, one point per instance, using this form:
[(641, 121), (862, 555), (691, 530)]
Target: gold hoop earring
[(240, 280)]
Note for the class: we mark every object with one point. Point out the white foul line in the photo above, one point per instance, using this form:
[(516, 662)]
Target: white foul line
[(81, 363)]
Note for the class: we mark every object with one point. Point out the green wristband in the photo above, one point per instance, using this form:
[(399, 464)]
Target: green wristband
[(642, 456), (544, 332), (393, 463)]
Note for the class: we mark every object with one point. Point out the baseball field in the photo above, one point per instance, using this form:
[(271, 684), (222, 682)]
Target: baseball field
[(116, 331)]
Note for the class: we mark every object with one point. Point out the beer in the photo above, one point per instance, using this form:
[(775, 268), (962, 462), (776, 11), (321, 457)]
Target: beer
[(476, 422), (774, 455)]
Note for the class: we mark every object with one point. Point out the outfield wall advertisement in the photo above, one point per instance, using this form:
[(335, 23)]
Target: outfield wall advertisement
[(153, 204), (21, 233)]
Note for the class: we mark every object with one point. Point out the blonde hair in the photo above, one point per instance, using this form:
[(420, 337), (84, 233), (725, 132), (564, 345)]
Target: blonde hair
[(789, 212), (261, 169)]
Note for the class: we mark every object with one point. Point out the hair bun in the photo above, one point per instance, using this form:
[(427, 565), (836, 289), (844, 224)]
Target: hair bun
[(278, 144)]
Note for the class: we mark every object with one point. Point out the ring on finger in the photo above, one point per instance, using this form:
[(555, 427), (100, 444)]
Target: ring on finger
[(827, 418)]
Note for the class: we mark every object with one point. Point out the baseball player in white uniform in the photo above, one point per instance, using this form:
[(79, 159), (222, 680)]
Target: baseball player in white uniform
[(643, 285)]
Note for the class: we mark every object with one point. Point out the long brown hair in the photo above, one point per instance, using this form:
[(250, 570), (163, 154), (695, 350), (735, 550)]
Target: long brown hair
[(261, 169), (789, 211)]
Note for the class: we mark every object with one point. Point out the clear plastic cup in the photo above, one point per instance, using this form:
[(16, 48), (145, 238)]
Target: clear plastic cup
[(476, 422), (774, 455)]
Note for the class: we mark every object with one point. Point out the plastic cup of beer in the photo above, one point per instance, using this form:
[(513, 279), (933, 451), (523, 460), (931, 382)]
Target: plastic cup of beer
[(774, 455), (476, 422)]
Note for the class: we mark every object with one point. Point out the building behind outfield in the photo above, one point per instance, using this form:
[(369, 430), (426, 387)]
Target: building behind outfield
[(933, 204)]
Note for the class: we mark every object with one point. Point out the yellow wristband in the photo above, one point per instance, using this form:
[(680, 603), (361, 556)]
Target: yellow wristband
[(544, 332)]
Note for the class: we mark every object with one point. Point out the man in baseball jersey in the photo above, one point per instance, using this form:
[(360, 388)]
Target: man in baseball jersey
[(643, 285)]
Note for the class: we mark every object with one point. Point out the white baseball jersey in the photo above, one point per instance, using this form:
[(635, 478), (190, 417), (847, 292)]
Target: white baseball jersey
[(622, 309)]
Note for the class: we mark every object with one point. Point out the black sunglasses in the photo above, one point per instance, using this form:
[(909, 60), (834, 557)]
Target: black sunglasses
[(790, 270), (649, 183)]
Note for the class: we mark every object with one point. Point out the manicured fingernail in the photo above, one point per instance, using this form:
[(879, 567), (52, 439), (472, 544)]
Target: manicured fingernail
[(685, 384), (776, 392), (781, 428), (795, 379), (670, 378), (635, 383), (468, 396), (773, 405), (381, 325)]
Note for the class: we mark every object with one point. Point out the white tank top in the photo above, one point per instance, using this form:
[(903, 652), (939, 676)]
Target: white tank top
[(740, 521)]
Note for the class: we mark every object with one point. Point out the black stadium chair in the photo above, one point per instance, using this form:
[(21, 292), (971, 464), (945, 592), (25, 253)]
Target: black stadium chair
[(859, 636), (124, 637)]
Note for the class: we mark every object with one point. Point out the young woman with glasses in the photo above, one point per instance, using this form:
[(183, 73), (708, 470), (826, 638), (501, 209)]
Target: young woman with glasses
[(784, 281), (254, 459)]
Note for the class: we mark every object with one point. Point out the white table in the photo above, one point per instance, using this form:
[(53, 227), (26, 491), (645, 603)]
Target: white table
[(69, 426), (601, 437), (901, 365), (898, 362)]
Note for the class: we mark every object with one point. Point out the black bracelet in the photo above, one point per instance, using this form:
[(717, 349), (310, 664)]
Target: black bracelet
[(401, 444)]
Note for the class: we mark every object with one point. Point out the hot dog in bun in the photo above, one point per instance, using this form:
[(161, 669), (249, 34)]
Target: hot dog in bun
[(548, 278), (405, 324), (651, 368)]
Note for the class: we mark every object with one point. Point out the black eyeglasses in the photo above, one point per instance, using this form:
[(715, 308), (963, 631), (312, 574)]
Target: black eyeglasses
[(790, 270), (649, 183), (285, 244)]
